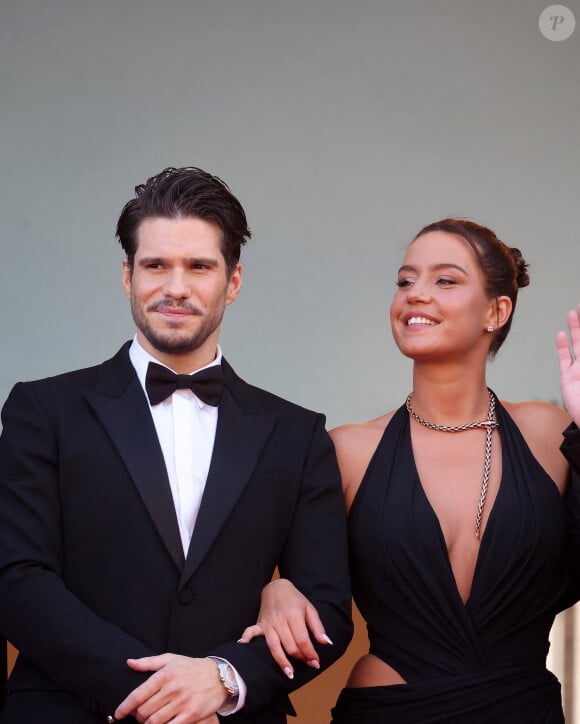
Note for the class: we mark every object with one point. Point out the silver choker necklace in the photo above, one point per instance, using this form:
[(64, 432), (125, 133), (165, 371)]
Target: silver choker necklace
[(489, 424)]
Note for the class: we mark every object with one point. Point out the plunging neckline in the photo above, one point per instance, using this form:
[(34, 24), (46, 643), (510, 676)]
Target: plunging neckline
[(439, 529)]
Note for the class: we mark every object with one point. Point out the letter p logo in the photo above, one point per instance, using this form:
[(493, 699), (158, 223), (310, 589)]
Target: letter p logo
[(557, 22)]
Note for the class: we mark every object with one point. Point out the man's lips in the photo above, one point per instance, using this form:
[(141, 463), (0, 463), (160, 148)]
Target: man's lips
[(175, 311)]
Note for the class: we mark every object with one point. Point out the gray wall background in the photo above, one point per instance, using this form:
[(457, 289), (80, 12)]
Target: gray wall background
[(342, 126)]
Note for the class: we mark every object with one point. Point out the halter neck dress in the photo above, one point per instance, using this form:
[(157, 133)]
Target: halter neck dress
[(474, 662)]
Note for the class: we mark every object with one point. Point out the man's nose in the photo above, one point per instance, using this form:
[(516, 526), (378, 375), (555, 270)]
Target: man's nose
[(177, 284)]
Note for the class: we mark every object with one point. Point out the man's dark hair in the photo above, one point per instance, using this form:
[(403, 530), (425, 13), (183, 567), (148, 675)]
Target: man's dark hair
[(186, 192)]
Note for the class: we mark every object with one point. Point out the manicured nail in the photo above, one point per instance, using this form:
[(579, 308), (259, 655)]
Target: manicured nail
[(240, 641), (289, 673), (313, 664), (327, 639)]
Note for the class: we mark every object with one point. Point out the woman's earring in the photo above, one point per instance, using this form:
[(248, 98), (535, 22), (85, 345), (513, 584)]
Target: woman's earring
[(490, 327)]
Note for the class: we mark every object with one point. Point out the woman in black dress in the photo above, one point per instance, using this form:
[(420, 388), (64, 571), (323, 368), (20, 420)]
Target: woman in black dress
[(461, 554)]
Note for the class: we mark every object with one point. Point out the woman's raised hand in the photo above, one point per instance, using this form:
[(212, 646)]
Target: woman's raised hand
[(569, 355), (286, 619)]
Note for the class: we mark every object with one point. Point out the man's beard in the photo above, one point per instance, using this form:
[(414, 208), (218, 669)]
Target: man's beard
[(176, 341)]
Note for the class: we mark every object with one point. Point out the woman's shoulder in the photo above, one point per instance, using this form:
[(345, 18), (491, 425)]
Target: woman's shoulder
[(542, 424), (355, 445), (357, 432), (537, 417)]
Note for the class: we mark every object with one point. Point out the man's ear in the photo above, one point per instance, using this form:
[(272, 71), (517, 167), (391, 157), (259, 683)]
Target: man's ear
[(234, 284), (126, 278)]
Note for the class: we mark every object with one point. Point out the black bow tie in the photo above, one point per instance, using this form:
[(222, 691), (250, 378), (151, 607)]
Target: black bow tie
[(207, 384)]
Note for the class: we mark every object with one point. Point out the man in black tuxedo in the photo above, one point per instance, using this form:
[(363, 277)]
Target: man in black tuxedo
[(143, 507)]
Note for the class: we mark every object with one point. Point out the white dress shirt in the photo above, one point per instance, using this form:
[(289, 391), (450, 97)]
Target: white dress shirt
[(186, 429)]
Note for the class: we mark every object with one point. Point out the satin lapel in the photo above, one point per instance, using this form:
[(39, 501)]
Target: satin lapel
[(240, 438), (127, 419)]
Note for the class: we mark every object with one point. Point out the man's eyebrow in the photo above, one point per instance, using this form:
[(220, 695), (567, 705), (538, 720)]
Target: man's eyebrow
[(207, 261)]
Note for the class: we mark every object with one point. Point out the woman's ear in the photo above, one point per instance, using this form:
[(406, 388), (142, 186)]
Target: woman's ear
[(500, 311)]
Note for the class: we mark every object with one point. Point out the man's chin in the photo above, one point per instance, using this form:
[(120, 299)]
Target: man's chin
[(174, 345), (176, 348)]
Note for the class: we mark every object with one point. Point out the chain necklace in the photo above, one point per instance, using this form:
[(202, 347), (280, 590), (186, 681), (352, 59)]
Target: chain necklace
[(489, 424)]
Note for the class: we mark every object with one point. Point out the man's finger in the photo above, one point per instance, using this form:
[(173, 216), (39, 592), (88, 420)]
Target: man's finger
[(136, 699), (149, 663)]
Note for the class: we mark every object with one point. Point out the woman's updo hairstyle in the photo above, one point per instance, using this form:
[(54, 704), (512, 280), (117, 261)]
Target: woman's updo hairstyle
[(504, 269)]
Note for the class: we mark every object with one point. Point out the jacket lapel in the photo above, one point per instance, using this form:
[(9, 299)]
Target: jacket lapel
[(120, 404), (242, 432)]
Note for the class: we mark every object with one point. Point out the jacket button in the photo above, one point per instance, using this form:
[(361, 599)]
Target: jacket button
[(186, 596)]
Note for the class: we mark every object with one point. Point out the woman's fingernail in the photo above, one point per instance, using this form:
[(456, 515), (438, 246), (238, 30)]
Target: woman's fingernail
[(327, 639), (289, 673), (313, 664)]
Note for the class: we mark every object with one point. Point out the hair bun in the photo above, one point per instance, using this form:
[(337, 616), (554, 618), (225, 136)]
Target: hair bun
[(522, 277)]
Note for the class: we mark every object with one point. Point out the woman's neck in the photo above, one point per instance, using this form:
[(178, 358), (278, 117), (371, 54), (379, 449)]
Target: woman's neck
[(449, 396)]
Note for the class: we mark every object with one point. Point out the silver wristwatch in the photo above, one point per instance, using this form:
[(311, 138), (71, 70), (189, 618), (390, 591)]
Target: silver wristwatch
[(227, 677)]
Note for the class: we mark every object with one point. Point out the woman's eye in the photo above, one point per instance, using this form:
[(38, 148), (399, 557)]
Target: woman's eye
[(444, 281), (401, 283)]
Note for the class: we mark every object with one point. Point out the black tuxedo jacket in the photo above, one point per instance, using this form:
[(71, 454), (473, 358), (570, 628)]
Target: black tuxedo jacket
[(91, 565)]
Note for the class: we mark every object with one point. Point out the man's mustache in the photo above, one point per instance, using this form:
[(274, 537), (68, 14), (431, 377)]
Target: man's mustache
[(172, 304)]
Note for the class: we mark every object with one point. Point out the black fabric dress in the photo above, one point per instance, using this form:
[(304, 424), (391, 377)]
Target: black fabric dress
[(482, 661)]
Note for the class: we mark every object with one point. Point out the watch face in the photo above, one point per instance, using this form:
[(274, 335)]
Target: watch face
[(228, 678)]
